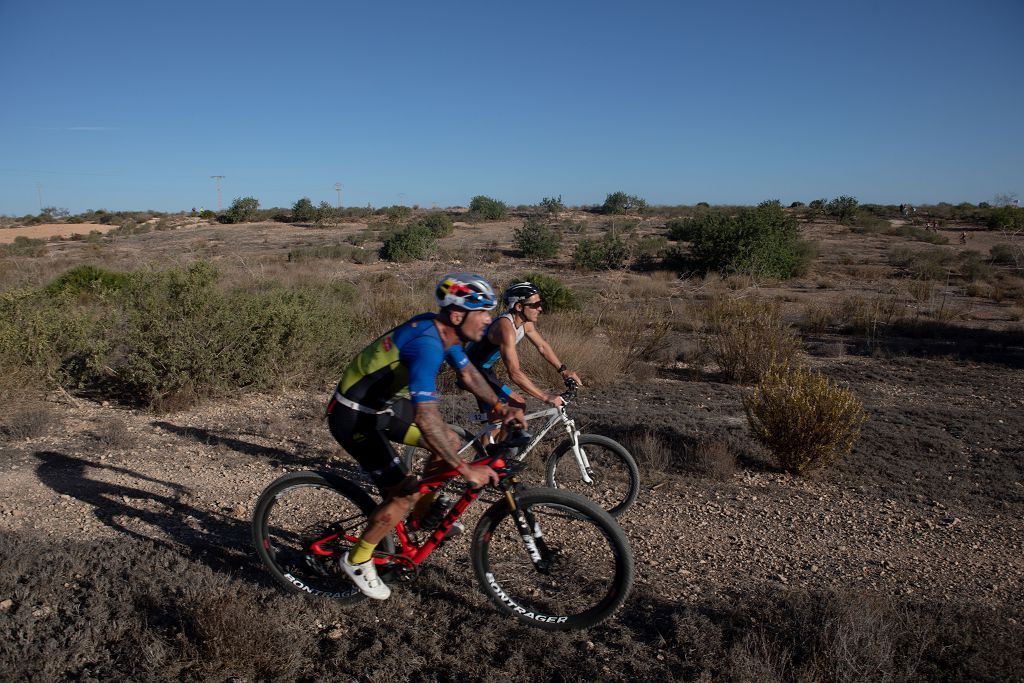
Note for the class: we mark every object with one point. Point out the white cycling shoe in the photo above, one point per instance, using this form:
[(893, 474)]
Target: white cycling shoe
[(364, 576)]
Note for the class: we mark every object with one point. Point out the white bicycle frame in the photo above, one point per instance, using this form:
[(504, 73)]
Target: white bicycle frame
[(555, 415)]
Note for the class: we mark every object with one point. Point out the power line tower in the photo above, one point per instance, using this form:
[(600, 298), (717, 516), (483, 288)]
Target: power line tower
[(218, 178), (337, 188)]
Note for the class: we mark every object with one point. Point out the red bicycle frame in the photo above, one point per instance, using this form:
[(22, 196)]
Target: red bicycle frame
[(409, 554)]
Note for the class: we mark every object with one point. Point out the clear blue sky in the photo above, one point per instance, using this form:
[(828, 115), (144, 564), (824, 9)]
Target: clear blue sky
[(134, 105)]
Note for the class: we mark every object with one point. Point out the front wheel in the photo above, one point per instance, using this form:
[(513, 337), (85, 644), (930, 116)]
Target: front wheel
[(303, 523), (614, 476), (573, 569)]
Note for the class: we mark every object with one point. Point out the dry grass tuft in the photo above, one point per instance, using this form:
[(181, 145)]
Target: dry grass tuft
[(747, 336)]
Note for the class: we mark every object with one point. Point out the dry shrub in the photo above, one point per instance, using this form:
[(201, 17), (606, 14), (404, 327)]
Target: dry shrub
[(832, 637), (713, 458), (802, 418), (652, 450), (639, 335), (748, 336), (219, 625), (387, 301), (26, 422), (818, 318), (114, 433), (870, 316), (657, 451), (579, 344), (921, 290)]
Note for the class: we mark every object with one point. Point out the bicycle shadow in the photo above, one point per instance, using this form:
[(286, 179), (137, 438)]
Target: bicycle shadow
[(276, 456), (154, 511)]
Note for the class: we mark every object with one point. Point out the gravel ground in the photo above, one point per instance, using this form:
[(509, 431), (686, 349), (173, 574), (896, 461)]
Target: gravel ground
[(889, 520)]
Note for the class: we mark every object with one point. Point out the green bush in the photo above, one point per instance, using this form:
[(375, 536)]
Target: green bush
[(412, 243), (438, 223), (242, 210), (87, 280), (802, 418), (842, 208), (303, 211), (1006, 218), (763, 242), (181, 339), (25, 246), (396, 213), (536, 239), (923, 264), (552, 205), (1006, 255), (486, 208), (681, 229), (620, 202), (607, 253), (556, 295)]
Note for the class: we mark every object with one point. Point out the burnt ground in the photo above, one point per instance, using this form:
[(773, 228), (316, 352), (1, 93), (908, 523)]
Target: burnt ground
[(922, 519)]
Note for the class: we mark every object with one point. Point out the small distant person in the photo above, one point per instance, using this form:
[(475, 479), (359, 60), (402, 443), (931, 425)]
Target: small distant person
[(193, 211), (903, 209), (963, 237)]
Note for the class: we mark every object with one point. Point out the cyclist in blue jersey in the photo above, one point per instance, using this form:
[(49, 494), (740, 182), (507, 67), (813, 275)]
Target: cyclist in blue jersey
[(369, 408), (523, 306)]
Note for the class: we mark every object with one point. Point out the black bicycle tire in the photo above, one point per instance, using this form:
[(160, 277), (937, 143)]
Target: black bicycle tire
[(575, 506), (614, 447), (268, 555), (409, 452)]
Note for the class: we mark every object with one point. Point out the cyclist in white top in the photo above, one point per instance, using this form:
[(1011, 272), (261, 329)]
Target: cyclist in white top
[(523, 303)]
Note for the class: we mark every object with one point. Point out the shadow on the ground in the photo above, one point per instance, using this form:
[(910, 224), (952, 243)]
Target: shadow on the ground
[(152, 510), (274, 456), (930, 338)]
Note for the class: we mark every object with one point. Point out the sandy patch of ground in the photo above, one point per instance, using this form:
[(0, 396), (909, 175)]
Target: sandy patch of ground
[(45, 231)]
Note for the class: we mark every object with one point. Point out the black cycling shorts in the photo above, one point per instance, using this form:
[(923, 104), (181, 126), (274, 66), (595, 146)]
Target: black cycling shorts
[(367, 438)]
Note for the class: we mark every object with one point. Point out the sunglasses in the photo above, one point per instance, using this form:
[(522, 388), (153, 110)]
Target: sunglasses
[(535, 304)]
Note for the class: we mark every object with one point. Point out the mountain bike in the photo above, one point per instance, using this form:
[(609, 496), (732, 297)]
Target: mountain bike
[(591, 465), (551, 559)]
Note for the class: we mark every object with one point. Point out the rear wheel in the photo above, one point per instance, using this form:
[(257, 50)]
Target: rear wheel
[(614, 476), (303, 523), (575, 570)]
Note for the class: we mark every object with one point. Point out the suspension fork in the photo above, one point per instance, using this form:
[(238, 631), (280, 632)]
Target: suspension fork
[(581, 457), (530, 531)]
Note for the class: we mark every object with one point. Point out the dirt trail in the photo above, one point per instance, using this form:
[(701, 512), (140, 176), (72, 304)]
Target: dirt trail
[(191, 478)]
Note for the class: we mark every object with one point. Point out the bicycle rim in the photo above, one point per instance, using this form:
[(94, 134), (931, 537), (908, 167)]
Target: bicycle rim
[(586, 570), (615, 478), (298, 510)]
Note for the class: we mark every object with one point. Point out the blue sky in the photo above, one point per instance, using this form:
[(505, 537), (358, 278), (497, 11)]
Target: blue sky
[(134, 105)]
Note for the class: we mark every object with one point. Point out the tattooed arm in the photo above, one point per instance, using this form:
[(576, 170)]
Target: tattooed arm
[(436, 436)]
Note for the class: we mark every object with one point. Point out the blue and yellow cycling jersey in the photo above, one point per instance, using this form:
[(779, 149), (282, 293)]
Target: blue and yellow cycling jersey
[(404, 359)]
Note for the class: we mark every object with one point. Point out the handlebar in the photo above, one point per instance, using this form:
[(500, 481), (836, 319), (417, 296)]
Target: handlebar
[(570, 393)]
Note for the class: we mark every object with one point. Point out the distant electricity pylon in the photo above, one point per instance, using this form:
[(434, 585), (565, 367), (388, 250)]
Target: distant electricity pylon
[(218, 178), (337, 187)]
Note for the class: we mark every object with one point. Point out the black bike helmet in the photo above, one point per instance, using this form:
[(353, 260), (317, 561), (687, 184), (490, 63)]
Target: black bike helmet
[(519, 291)]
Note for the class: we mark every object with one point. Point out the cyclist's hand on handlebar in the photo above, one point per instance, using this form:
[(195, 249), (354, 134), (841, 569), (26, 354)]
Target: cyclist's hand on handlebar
[(478, 476), (509, 415), (570, 375), (554, 400)]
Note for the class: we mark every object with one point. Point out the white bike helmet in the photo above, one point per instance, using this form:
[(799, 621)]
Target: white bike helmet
[(465, 291)]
